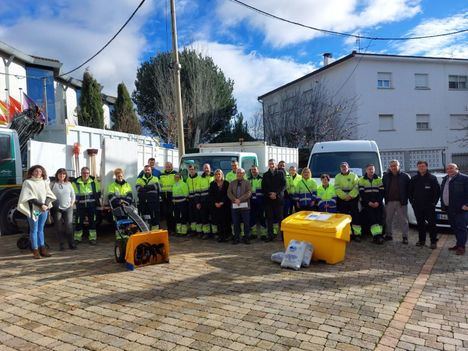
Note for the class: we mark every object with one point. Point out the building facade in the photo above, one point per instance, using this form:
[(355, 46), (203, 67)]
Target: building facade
[(40, 79), (413, 107)]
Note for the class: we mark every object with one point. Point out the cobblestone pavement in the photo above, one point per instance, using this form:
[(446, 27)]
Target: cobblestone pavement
[(222, 297)]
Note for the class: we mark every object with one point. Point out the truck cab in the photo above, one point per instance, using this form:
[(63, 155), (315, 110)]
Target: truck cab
[(10, 180), (218, 160)]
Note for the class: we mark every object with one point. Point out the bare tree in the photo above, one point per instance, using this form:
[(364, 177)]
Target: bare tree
[(256, 126), (302, 118)]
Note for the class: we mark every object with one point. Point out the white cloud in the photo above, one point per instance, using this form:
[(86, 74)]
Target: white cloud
[(337, 15), (448, 46), (72, 31), (253, 74)]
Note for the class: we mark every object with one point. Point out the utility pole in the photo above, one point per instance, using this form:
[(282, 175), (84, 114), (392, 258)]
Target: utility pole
[(44, 94), (178, 97)]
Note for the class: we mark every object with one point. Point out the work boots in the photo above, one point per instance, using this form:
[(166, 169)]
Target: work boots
[(36, 254), (43, 252)]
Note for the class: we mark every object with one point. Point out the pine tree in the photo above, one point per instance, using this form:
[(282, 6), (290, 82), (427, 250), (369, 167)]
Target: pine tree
[(90, 113), (124, 117)]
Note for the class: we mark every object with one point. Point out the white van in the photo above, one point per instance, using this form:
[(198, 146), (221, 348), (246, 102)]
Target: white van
[(327, 156)]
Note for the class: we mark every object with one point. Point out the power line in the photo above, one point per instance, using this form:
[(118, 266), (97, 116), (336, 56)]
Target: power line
[(107, 44), (327, 31)]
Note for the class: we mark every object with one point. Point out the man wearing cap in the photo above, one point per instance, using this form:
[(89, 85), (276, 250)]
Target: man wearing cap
[(347, 191)]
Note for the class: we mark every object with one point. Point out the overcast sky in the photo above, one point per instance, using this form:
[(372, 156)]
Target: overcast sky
[(257, 52)]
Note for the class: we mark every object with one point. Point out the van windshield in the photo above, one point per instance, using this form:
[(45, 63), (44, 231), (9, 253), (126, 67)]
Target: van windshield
[(329, 162), (221, 162)]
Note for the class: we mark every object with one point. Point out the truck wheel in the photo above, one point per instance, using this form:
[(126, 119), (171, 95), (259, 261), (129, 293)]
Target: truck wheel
[(119, 251), (7, 215)]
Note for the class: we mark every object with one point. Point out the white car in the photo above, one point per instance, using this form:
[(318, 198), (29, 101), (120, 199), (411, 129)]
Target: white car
[(441, 216)]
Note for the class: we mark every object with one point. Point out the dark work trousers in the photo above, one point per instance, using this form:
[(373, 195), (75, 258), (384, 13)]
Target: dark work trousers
[(273, 213), (288, 206), (426, 214), (372, 216), (82, 213), (257, 212), (221, 218), (63, 220), (151, 209), (205, 215), (167, 210), (181, 212), (351, 208), (238, 217), (194, 215), (458, 221)]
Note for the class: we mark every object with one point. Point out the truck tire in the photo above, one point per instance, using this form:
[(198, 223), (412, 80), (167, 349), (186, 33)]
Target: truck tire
[(7, 213)]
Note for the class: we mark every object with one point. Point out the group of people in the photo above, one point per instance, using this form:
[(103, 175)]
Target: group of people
[(387, 198), (238, 207)]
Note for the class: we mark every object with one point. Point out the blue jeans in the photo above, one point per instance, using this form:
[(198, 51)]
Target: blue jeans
[(36, 230), (458, 221), (239, 216)]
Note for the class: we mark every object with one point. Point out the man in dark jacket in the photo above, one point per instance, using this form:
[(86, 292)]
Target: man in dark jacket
[(396, 199), (454, 191), (424, 192), (273, 185)]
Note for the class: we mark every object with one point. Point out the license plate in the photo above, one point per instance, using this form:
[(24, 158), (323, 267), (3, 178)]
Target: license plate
[(442, 216)]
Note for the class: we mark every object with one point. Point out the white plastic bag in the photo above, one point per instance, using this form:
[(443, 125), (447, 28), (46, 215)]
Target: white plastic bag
[(277, 257), (294, 255), (308, 251)]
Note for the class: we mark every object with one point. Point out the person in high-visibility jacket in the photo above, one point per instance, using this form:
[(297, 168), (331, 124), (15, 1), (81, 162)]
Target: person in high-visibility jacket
[(371, 190), (347, 191), (88, 198), (232, 174), (148, 190), (292, 179), (257, 205), (306, 191), (180, 193), (166, 179), (326, 195), (119, 191), (204, 186), (194, 205)]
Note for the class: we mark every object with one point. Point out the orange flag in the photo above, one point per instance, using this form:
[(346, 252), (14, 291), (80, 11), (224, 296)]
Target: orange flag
[(4, 108), (16, 106)]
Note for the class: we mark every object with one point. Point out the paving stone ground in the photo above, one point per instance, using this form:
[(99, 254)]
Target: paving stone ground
[(222, 297)]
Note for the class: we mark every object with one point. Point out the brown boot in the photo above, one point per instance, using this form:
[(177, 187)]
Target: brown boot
[(44, 252), (36, 254)]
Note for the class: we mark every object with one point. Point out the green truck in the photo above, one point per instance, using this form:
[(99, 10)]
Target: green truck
[(11, 177)]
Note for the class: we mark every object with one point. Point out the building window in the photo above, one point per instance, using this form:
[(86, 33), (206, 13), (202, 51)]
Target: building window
[(458, 122), (35, 78), (422, 122), (458, 82), (421, 81), (386, 122), (384, 80)]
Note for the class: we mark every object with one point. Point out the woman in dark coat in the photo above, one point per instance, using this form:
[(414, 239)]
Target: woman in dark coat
[(221, 207)]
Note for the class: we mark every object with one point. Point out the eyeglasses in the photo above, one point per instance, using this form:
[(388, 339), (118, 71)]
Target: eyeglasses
[(324, 177)]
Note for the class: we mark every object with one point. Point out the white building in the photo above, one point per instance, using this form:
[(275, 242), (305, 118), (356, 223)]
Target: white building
[(40, 77), (415, 108)]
